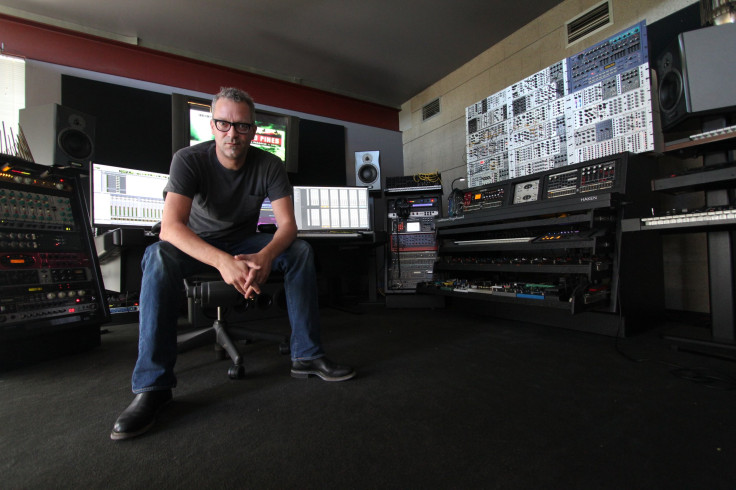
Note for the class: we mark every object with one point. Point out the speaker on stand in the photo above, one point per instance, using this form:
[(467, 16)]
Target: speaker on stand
[(695, 73), (59, 136), (367, 170)]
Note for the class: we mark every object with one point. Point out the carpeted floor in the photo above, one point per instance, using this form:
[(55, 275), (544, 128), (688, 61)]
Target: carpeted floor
[(441, 400)]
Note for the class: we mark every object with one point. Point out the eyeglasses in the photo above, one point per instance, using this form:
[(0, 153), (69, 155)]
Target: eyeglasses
[(240, 127)]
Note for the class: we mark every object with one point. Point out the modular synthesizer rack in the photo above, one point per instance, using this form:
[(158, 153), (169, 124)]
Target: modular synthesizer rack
[(590, 105)]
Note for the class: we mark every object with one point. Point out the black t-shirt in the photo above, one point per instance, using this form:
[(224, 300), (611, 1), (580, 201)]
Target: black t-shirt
[(226, 203)]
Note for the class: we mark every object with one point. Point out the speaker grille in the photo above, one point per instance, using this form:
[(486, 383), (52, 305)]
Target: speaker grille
[(76, 144), (367, 173), (670, 87)]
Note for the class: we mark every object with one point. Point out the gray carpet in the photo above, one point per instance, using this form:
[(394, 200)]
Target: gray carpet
[(442, 400)]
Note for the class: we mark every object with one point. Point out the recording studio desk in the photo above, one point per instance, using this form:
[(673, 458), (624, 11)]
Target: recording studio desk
[(333, 252)]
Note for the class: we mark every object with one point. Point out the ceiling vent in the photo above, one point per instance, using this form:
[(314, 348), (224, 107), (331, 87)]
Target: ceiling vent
[(431, 109), (589, 22)]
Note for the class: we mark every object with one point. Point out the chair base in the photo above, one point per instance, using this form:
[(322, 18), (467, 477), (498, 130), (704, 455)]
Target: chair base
[(224, 337)]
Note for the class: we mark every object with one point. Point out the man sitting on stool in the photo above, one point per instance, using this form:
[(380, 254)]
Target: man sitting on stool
[(211, 209)]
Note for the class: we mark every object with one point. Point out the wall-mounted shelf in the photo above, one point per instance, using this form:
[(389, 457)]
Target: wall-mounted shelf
[(585, 269), (719, 138), (701, 178)]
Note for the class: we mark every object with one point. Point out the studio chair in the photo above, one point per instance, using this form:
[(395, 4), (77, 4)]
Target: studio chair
[(206, 293)]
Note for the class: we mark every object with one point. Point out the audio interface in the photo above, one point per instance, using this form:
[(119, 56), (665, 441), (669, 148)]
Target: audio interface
[(413, 207)]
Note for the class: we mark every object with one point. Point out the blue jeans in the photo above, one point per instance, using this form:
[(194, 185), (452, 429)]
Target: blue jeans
[(162, 295)]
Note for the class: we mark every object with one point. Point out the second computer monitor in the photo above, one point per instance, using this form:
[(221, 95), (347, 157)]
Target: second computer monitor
[(126, 197), (332, 208)]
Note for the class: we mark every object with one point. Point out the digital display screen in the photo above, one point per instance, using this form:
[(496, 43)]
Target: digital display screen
[(199, 123), (126, 197), (271, 132), (413, 226), (266, 216), (331, 208)]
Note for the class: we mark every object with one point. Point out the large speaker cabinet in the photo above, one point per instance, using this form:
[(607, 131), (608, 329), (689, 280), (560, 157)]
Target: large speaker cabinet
[(59, 135), (696, 74)]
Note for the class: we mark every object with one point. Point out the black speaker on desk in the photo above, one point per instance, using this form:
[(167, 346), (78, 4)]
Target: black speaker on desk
[(59, 136), (696, 73)]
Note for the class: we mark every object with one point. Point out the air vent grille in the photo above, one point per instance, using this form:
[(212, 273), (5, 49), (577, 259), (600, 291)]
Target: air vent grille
[(594, 19), (431, 109)]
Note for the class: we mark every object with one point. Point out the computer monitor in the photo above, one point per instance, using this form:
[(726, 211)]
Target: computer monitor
[(199, 122), (276, 133), (266, 217), (332, 208), (125, 197)]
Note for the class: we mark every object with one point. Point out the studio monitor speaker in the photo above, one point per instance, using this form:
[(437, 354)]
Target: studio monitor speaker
[(696, 74), (367, 170), (59, 135)]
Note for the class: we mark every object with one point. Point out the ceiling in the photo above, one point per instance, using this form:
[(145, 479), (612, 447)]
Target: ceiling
[(382, 51)]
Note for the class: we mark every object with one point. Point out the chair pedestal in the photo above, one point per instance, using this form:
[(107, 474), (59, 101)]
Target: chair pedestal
[(221, 295)]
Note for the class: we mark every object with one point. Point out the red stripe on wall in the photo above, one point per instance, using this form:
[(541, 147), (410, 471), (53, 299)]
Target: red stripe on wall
[(50, 44)]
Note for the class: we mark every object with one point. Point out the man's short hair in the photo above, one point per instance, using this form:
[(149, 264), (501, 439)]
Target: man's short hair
[(236, 95)]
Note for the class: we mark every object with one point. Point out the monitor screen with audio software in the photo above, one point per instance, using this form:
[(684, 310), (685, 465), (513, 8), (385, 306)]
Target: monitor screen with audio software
[(126, 197), (332, 208), (266, 216)]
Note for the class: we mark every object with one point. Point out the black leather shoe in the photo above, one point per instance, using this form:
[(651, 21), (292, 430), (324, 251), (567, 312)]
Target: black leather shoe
[(322, 367), (140, 414)]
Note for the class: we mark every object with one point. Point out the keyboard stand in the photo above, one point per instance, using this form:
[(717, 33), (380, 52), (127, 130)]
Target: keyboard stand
[(721, 269)]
